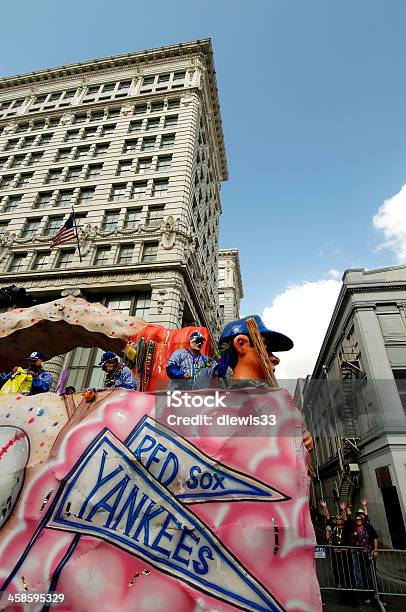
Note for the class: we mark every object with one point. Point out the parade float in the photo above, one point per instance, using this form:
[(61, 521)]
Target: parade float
[(107, 502)]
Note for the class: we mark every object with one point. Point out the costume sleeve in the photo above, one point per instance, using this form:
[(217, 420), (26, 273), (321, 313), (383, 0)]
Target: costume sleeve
[(126, 379), (42, 383), (5, 378), (221, 368), (173, 367)]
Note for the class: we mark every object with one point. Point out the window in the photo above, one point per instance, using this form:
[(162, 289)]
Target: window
[(130, 145), (113, 112), (18, 262), (153, 124), (135, 126), (3, 161), (142, 305), (43, 199), (102, 256), (39, 124), (171, 121), (64, 198), (30, 228), (108, 87), (92, 90), (157, 107), (149, 252), (79, 118), (42, 260), (18, 103), (12, 203), (124, 85), (400, 379), (94, 171), (71, 135), (110, 220), (80, 218), (55, 96), (3, 227), (74, 173), (54, 175), (35, 158), (17, 161), (101, 149), (168, 140), (108, 129), (11, 144), (147, 84), (144, 164), (164, 163), (65, 258), (63, 154), (44, 139), (24, 179), (28, 141), (97, 116), (82, 152), (132, 218), (160, 186), (90, 132), (138, 189), (125, 254), (124, 166), (178, 79), (86, 195), (148, 143), (163, 81), (174, 103), (118, 191), (140, 109), (54, 224), (69, 94), (156, 214), (22, 127), (53, 122), (6, 180)]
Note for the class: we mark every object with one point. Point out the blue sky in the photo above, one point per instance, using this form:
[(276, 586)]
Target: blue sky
[(313, 97)]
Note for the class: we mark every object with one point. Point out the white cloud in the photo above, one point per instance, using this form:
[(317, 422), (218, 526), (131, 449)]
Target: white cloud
[(334, 273), (391, 219), (303, 313)]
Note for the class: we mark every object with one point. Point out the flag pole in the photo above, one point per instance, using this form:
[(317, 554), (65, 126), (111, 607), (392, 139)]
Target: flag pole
[(77, 235)]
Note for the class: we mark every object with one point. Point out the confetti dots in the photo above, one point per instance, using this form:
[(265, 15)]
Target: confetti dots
[(55, 424), (8, 414), (40, 412), (31, 420)]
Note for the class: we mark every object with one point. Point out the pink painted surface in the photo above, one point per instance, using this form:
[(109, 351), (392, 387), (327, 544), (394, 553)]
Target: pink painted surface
[(98, 574)]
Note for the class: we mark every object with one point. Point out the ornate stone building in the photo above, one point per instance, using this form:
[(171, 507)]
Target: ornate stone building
[(230, 285), (135, 144)]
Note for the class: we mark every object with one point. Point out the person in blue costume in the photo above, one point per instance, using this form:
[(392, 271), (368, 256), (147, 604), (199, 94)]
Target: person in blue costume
[(117, 374), (188, 369), (41, 379)]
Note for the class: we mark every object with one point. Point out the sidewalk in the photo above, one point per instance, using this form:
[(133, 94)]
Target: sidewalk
[(331, 603)]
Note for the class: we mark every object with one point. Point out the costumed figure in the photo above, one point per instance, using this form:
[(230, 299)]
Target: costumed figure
[(117, 374), (188, 369), (29, 381), (249, 369)]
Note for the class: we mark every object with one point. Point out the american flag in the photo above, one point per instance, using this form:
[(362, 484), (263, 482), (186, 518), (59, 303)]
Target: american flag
[(66, 233)]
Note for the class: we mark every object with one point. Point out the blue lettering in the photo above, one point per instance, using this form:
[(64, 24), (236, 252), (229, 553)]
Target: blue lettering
[(144, 522), (101, 480), (206, 484), (202, 567), (132, 514), (146, 444), (158, 448), (181, 546), (164, 534), (219, 482), (193, 482), (170, 458), (102, 503)]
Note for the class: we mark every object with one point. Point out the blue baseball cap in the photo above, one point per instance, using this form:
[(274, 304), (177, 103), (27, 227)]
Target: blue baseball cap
[(278, 341), (107, 356), (196, 336), (36, 355)]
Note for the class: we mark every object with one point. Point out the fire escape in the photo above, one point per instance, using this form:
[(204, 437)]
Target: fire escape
[(348, 450)]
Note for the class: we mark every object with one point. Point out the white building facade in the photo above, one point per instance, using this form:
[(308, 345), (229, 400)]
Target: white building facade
[(230, 286), (355, 401), (134, 143)]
